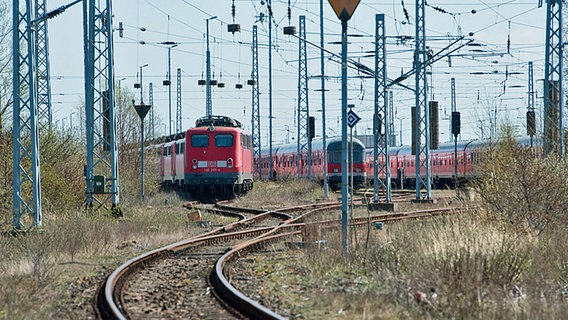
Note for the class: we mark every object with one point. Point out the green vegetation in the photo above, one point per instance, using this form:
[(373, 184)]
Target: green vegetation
[(505, 259)]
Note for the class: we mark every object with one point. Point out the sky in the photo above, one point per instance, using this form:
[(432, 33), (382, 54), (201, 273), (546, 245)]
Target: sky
[(491, 75)]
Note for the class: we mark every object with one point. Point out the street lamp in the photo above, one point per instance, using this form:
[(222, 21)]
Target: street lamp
[(119, 90), (208, 103), (168, 81), (120, 80)]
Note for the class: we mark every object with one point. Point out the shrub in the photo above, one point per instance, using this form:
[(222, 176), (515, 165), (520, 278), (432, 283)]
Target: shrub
[(523, 188)]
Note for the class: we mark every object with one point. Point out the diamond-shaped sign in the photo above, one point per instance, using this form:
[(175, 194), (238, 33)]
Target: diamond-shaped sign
[(142, 110), (344, 8), (352, 118)]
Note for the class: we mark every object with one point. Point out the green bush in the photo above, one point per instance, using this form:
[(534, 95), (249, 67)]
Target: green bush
[(524, 188)]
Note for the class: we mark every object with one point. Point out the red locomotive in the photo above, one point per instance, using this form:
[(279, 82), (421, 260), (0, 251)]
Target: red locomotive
[(211, 161)]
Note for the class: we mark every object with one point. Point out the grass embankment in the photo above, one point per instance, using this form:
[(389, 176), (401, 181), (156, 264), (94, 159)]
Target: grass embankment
[(461, 267), (53, 273), (507, 259)]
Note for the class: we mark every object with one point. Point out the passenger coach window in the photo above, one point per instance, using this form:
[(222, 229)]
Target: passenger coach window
[(200, 140), (224, 140)]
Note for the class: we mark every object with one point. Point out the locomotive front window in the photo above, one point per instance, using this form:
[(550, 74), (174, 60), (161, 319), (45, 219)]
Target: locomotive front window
[(224, 140), (200, 140), (334, 157)]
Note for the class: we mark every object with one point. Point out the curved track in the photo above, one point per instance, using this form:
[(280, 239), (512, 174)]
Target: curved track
[(169, 282)]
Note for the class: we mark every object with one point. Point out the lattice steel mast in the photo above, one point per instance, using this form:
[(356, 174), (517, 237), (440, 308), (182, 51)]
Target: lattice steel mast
[(26, 192), (303, 142), (102, 161), (178, 96), (151, 102), (422, 112), (42, 62), (255, 103), (381, 119), (553, 96)]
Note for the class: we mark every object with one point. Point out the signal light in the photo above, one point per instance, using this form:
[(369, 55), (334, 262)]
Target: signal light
[(290, 30), (531, 123), (312, 127), (234, 28), (456, 123)]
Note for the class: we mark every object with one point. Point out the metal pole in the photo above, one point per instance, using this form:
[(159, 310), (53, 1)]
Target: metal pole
[(344, 183), (456, 163), (350, 166), (170, 88), (269, 2), (325, 185), (142, 155), (208, 104), (141, 95)]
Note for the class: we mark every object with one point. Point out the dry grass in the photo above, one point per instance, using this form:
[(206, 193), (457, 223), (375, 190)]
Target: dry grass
[(53, 273), (277, 194), (466, 266), (509, 259)]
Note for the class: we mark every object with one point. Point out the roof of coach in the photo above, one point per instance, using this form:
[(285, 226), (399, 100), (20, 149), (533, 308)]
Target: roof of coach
[(335, 143)]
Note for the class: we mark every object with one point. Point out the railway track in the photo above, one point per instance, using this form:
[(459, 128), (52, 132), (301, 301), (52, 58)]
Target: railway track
[(192, 278)]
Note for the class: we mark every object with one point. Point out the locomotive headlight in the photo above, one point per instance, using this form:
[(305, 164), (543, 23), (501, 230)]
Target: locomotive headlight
[(357, 169), (230, 163), (194, 163), (335, 170)]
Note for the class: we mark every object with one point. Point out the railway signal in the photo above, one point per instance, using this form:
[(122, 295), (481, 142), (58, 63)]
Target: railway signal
[(142, 110)]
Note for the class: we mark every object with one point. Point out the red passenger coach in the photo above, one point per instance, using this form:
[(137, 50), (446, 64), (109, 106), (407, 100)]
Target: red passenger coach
[(286, 162), (218, 162)]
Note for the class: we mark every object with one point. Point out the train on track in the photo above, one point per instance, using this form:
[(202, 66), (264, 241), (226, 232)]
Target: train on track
[(442, 162), (213, 160), (287, 164)]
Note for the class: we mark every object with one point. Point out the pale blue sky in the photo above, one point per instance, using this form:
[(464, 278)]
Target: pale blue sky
[(492, 24)]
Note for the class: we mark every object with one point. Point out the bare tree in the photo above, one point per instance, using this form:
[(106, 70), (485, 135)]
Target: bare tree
[(5, 63)]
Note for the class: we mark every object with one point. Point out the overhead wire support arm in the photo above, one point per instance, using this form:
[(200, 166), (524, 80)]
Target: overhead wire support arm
[(433, 59), (55, 12)]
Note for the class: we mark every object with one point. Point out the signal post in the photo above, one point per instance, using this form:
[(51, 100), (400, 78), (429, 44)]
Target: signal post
[(344, 10)]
